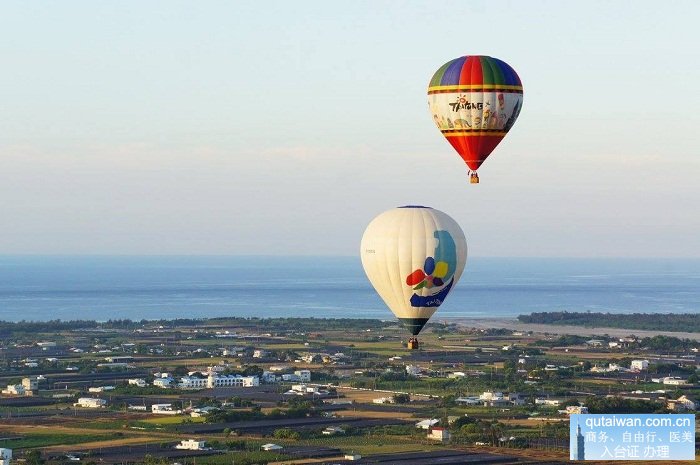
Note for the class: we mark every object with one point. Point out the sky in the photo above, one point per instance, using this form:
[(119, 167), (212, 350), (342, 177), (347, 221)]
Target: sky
[(283, 128)]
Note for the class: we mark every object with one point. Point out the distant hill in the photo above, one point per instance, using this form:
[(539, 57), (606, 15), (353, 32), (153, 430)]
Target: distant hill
[(680, 322)]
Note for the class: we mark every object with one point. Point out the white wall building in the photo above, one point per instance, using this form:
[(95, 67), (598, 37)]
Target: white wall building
[(14, 390), (164, 409), (639, 365), (138, 382), (31, 383), (413, 370), (90, 402), (163, 382), (192, 382), (191, 444), (489, 396), (101, 389), (681, 404), (575, 409), (675, 381), (303, 388), (439, 434), (304, 375), (214, 380), (5, 456), (427, 424), (549, 402), (271, 446), (469, 400)]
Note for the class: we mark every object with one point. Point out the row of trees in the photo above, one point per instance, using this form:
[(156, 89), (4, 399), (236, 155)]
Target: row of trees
[(686, 322)]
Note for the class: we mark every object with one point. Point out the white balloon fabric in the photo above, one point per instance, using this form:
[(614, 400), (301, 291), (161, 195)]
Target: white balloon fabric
[(413, 256)]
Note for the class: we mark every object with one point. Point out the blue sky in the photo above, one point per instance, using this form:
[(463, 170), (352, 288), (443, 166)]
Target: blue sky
[(285, 127)]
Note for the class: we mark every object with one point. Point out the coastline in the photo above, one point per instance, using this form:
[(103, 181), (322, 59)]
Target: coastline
[(514, 324)]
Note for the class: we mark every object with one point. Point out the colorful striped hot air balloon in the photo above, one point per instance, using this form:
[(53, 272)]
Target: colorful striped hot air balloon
[(474, 101)]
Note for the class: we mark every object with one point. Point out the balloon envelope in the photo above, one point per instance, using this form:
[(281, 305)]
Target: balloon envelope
[(474, 101), (413, 256)]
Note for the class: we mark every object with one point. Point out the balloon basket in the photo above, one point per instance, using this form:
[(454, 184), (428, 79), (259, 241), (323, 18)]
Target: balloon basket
[(474, 178), (413, 343)]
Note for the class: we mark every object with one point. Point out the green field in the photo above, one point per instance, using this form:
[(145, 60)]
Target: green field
[(51, 439)]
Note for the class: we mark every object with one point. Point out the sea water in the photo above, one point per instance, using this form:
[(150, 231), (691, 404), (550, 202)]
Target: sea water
[(108, 287)]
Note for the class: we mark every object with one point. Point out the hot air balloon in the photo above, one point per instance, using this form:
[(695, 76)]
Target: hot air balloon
[(413, 256), (474, 101)]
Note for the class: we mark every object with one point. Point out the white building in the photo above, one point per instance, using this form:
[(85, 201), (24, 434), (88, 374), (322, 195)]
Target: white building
[(5, 456), (681, 404), (101, 389), (90, 402), (303, 375), (234, 381), (494, 399), (439, 434), (303, 388), (202, 411), (548, 402), (271, 446), (639, 365), (670, 380), (413, 370), (192, 382), (490, 395), (333, 430), (164, 409), (214, 380), (30, 384), (259, 353), (14, 390), (163, 382), (191, 444), (138, 382), (427, 424), (575, 409), (675, 381), (469, 400)]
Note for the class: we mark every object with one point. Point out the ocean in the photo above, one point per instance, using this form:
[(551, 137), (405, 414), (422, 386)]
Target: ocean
[(113, 287)]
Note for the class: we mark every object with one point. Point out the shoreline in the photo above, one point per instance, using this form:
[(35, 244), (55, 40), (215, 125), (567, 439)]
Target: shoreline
[(516, 325)]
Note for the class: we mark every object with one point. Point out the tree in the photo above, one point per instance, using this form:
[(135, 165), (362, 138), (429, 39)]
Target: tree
[(286, 433), (33, 457)]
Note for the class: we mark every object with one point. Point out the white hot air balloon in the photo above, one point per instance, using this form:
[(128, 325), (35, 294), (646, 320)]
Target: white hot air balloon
[(413, 256)]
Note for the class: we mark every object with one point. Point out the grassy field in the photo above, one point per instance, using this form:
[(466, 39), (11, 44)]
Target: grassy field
[(372, 444), (43, 439), (241, 458)]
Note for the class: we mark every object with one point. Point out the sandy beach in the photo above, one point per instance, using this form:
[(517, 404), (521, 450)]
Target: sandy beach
[(511, 323)]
